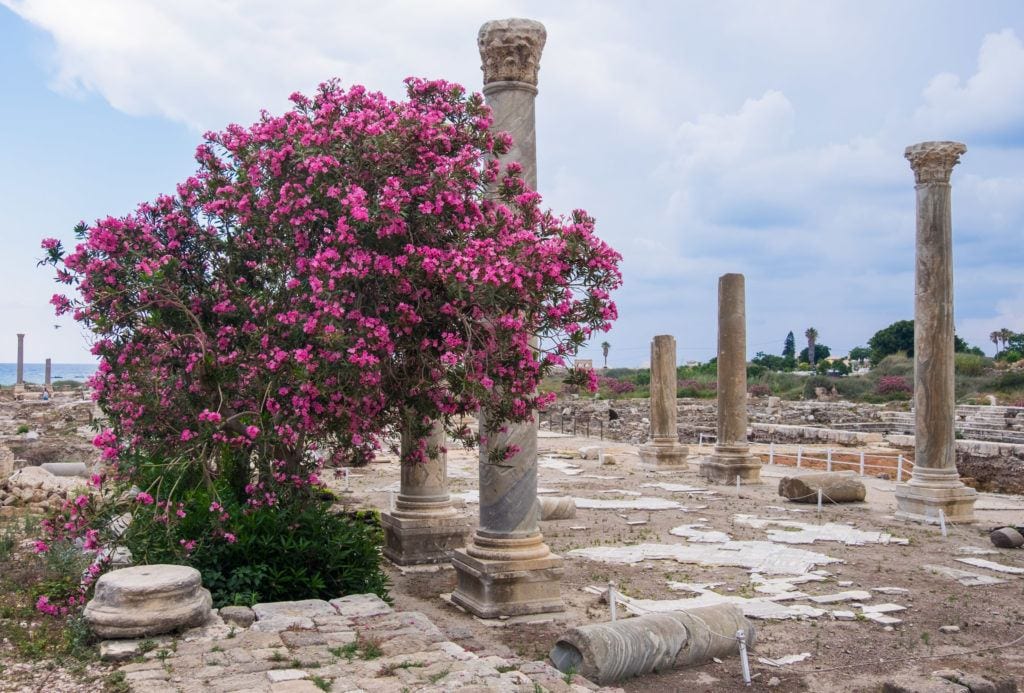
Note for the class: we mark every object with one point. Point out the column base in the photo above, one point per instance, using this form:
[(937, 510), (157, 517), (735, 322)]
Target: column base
[(657, 455), (921, 501), (422, 540), (722, 467), (497, 588)]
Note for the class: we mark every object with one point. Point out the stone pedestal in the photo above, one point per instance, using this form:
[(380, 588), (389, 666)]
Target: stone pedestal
[(423, 528), (935, 484), (147, 600), (731, 457), (506, 568), (663, 448)]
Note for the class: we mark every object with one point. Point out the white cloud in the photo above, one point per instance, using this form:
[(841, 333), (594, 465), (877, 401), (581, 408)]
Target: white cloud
[(989, 102)]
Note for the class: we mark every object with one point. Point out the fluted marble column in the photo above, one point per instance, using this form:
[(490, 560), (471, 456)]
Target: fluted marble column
[(20, 382), (731, 457), (48, 376), (935, 483), (506, 568), (663, 448), (423, 527)]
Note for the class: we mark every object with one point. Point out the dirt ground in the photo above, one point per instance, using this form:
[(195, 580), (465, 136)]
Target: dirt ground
[(853, 655)]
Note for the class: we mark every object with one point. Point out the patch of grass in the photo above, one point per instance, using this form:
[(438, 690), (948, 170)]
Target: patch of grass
[(434, 678), (505, 668), (569, 675), (116, 683), (390, 669), (321, 683), (348, 651), (23, 428)]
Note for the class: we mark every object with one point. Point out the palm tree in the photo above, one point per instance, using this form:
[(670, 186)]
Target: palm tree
[(1006, 335), (996, 337), (605, 346), (812, 337)]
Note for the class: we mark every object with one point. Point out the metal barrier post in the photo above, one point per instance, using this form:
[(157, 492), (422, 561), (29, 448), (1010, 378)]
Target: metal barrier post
[(899, 468), (799, 454), (771, 452), (862, 463), (828, 461)]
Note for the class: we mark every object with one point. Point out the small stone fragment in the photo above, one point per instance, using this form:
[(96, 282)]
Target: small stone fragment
[(835, 488), (949, 629), (240, 616)]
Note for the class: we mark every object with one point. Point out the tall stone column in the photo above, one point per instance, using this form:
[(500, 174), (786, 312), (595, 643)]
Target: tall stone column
[(506, 568), (423, 527), (20, 382), (935, 484), (731, 457), (48, 377), (663, 448)]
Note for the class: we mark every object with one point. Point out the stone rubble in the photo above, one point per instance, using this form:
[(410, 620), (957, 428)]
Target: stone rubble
[(354, 644)]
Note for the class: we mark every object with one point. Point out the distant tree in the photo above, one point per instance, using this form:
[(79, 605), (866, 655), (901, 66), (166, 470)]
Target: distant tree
[(899, 336), (812, 337), (605, 346), (821, 351), (893, 339), (773, 362), (789, 347), (860, 353)]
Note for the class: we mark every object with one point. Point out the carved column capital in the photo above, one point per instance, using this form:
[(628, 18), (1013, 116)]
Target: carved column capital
[(510, 50), (933, 162)]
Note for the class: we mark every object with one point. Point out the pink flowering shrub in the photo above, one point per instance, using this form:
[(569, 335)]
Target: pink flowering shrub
[(323, 273), (355, 266), (893, 385), (614, 386)]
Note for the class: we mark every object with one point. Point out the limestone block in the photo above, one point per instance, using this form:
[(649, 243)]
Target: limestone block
[(560, 508), (835, 488), (590, 452), (37, 477), (273, 617), (147, 600)]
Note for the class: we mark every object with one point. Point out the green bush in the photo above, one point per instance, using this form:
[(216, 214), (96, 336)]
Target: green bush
[(970, 364), (298, 550), (1011, 380), (894, 364)]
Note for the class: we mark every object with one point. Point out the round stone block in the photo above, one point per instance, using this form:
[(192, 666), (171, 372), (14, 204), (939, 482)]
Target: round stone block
[(147, 600), (1007, 538)]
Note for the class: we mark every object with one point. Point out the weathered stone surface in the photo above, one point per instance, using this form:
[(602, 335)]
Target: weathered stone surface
[(835, 487), (147, 600), (1007, 538), (510, 50), (277, 616), (241, 616), (66, 468), (360, 606)]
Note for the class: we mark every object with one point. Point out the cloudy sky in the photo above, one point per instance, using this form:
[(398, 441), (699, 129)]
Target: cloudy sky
[(758, 137)]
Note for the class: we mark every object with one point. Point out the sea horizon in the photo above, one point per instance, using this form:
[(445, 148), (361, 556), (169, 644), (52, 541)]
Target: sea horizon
[(35, 373)]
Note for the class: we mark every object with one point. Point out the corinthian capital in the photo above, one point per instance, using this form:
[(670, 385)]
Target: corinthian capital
[(934, 161), (510, 50)]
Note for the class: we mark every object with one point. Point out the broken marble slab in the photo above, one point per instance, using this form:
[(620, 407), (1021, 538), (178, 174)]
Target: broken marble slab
[(752, 608), (700, 534), (847, 596), (756, 556), (698, 587), (803, 533), (976, 551), (882, 619), (991, 565), (890, 590), (621, 492), (603, 477), (679, 488), (785, 586), (840, 615), (642, 503), (886, 608), (783, 661), (559, 465), (964, 577)]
